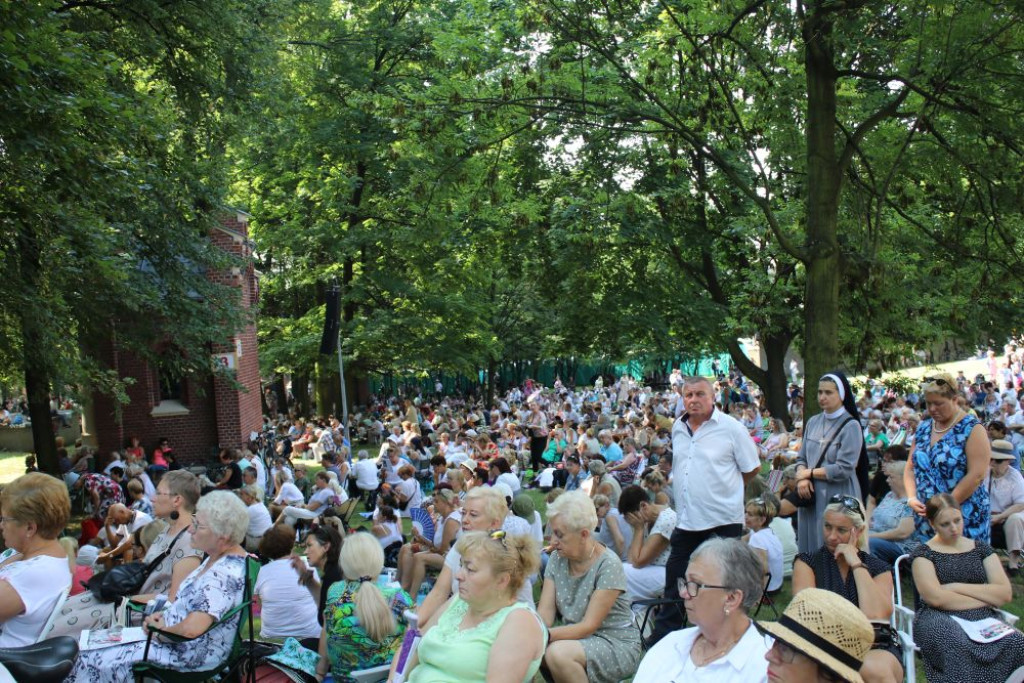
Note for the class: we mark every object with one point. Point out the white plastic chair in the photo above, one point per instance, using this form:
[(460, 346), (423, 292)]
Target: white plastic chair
[(903, 622), (373, 675)]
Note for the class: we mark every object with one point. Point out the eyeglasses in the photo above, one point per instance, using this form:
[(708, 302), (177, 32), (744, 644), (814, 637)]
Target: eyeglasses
[(692, 588), (196, 526), (7, 520), (785, 652), (848, 502)]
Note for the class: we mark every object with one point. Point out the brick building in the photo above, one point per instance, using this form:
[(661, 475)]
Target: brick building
[(197, 414)]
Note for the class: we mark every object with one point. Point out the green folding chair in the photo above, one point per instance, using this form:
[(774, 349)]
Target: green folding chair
[(241, 649)]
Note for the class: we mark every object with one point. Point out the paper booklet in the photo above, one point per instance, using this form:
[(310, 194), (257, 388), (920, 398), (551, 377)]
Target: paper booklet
[(984, 630), (95, 639)]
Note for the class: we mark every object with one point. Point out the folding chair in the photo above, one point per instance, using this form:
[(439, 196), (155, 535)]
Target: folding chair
[(766, 599), (652, 606), (241, 649)]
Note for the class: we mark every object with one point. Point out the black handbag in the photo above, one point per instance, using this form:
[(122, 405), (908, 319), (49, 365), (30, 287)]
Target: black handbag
[(795, 498), (126, 579)]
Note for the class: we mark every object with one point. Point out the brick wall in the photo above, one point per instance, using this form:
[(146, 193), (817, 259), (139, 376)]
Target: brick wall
[(218, 414)]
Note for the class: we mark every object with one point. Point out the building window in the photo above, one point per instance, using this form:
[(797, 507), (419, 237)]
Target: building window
[(172, 394)]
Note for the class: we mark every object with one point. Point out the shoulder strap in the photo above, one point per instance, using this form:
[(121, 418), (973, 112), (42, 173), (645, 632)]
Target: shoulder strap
[(162, 556), (832, 438)]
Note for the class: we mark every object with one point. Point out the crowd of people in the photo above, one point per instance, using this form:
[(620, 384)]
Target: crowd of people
[(693, 492)]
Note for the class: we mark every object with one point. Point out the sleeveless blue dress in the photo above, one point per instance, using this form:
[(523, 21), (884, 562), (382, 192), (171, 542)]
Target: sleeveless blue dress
[(939, 468)]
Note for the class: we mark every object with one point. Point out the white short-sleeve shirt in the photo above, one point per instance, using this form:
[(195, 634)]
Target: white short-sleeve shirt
[(707, 471), (766, 540), (38, 582), (664, 526)]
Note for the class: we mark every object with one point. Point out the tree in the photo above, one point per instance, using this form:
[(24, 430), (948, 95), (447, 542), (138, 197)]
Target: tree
[(780, 108), (111, 119)]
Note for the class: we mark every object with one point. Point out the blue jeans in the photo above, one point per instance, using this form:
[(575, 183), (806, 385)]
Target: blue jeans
[(885, 550)]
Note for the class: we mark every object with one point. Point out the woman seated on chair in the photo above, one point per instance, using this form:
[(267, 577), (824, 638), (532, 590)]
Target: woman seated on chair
[(652, 526), (408, 490), (364, 624), (843, 565), (962, 578), (723, 583), (34, 571), (758, 516), (288, 493), (415, 558), (585, 585), (286, 607), (174, 502), (484, 509), (484, 633), (323, 498), (319, 570), (206, 595)]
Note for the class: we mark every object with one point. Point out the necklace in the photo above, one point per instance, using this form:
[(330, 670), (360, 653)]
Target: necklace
[(949, 426), (576, 569), (709, 657)]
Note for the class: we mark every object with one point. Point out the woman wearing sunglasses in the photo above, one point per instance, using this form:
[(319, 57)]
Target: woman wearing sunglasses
[(458, 641), (843, 566), (950, 454)]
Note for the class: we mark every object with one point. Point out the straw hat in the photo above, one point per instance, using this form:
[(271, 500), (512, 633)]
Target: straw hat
[(827, 628), (1002, 450)]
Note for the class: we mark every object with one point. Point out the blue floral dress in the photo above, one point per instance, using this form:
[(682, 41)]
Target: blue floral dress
[(939, 468), (214, 592)]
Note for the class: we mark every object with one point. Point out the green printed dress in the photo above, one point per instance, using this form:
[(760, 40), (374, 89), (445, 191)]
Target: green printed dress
[(349, 647)]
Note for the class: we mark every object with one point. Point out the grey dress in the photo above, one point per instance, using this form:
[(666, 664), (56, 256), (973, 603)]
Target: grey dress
[(613, 651), (840, 465)]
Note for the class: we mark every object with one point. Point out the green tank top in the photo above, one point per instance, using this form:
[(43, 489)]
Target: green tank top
[(448, 655)]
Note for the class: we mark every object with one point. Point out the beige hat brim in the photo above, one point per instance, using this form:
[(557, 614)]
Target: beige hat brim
[(815, 652)]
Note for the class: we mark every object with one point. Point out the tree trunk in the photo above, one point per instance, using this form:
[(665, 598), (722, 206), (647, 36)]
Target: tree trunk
[(36, 359), (772, 379), (300, 390), (821, 298)]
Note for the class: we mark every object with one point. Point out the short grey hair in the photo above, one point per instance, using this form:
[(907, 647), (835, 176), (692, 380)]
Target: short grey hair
[(225, 515), (697, 379), (739, 565), (576, 510)]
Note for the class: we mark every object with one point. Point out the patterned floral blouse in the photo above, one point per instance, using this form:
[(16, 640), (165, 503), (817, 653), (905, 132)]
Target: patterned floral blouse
[(349, 647)]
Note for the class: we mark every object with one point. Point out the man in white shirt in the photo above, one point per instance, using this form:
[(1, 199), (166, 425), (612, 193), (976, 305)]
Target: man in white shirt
[(713, 457)]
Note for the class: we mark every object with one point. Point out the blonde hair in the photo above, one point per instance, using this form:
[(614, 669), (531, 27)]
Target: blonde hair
[(361, 557), (70, 546), (457, 475), (517, 556), (857, 520), (495, 508), (39, 499)]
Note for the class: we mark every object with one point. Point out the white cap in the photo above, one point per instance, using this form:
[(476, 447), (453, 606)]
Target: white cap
[(505, 489)]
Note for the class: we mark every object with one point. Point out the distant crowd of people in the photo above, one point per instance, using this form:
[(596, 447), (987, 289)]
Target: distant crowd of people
[(694, 492)]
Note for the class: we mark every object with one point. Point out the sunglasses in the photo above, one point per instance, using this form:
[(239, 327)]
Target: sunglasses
[(848, 502), (499, 535), (936, 380)]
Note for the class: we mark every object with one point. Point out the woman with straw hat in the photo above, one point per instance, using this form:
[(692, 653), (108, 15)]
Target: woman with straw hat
[(820, 637)]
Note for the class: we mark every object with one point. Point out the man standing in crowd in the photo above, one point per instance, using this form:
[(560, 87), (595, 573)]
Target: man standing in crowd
[(713, 457)]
